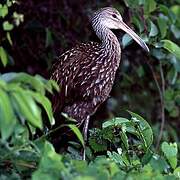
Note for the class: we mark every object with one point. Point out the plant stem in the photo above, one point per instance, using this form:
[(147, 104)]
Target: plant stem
[(161, 91), (162, 106)]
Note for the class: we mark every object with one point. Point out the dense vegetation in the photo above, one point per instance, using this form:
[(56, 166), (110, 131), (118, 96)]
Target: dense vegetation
[(121, 143)]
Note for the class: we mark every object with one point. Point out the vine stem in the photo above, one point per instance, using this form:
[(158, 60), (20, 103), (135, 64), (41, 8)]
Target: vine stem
[(162, 106), (161, 91)]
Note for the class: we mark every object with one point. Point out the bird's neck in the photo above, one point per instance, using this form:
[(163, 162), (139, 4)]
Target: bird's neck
[(109, 41)]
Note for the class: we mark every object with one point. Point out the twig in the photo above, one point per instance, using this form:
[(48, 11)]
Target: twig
[(143, 19), (162, 107), (24, 164), (161, 95)]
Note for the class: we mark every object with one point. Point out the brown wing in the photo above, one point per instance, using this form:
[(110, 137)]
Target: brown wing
[(65, 72)]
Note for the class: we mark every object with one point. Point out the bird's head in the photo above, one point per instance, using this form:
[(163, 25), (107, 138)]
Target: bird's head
[(111, 18)]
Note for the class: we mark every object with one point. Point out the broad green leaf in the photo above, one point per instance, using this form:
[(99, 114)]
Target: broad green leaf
[(26, 107), (46, 104), (96, 141), (3, 10), (116, 158), (164, 9), (162, 26), (50, 166), (176, 10), (126, 40), (176, 31), (3, 56), (149, 6), (170, 151), (177, 172), (144, 128), (77, 132), (25, 79), (118, 121), (153, 30), (159, 163), (7, 116), (3, 84), (138, 23), (171, 47), (147, 157), (158, 53), (7, 26)]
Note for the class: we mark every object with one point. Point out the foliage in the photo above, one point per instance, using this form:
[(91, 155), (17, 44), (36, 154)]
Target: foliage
[(10, 20), (21, 96), (122, 147), (158, 23)]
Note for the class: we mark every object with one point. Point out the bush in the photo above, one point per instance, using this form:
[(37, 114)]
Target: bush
[(122, 147)]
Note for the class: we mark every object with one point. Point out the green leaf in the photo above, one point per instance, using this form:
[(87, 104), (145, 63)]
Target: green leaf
[(159, 163), (176, 10), (149, 6), (124, 139), (26, 107), (118, 121), (147, 157), (177, 172), (157, 52), (9, 38), (144, 128), (25, 79), (153, 30), (51, 84), (77, 132), (7, 26), (175, 30), (96, 140), (138, 23), (116, 158), (7, 117), (170, 151), (162, 26), (51, 166), (171, 47), (3, 10), (46, 104), (3, 56)]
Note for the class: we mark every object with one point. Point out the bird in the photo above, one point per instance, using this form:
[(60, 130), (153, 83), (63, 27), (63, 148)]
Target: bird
[(86, 72)]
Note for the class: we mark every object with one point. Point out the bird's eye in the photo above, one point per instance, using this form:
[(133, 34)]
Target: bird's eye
[(114, 16)]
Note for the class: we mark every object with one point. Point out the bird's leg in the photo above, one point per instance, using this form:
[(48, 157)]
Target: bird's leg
[(85, 131), (85, 128), (81, 111)]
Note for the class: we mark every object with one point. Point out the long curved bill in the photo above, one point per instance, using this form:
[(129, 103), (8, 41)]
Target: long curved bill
[(128, 30)]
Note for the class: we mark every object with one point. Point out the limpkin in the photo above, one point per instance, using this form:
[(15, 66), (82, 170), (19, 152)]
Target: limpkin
[(86, 72)]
